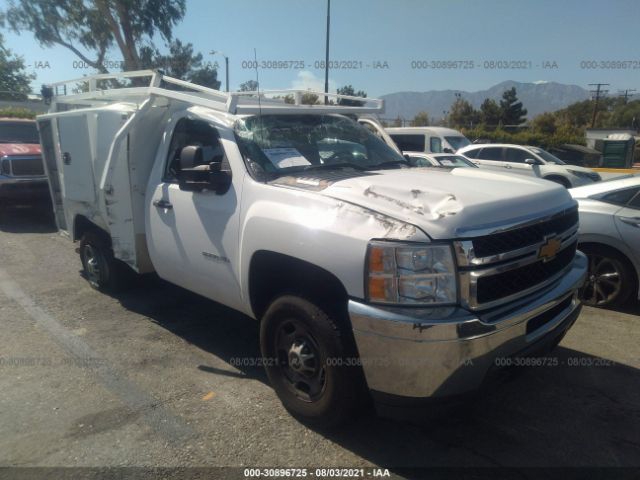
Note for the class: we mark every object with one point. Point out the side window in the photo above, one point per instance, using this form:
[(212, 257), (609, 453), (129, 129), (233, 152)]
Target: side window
[(409, 143), (621, 197), (435, 144), (517, 155), (472, 153), (187, 133), (491, 153)]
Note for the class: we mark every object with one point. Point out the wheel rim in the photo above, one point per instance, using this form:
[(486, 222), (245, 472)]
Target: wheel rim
[(92, 265), (604, 281), (299, 360)]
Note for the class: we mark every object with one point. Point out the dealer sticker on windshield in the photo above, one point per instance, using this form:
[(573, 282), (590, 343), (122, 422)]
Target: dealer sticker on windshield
[(286, 157)]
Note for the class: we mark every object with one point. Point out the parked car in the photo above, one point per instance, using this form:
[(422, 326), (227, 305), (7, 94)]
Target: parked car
[(368, 276), (22, 175), (428, 139), (446, 160), (610, 237), (529, 161)]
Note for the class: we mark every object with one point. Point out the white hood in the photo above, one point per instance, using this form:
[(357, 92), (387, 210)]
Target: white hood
[(448, 203)]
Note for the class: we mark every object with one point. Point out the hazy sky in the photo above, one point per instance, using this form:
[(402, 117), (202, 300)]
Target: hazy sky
[(396, 36)]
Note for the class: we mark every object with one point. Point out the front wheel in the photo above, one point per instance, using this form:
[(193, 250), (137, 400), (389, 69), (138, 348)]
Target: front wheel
[(610, 280), (310, 361)]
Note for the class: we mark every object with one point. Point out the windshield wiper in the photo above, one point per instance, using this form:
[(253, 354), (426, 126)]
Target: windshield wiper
[(332, 166), (389, 164)]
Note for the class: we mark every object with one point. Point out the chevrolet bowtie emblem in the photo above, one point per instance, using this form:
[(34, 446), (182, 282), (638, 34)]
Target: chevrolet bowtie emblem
[(549, 249)]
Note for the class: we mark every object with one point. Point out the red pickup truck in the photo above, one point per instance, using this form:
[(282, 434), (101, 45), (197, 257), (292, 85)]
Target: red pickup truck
[(22, 175)]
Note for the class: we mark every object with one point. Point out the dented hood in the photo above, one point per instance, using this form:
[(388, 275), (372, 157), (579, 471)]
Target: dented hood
[(452, 203)]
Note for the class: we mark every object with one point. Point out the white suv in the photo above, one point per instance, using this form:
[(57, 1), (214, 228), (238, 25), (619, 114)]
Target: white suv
[(530, 161)]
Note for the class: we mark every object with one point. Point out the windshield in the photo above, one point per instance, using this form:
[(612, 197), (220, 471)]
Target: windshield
[(546, 156), (282, 144), (18, 132), (458, 142), (454, 161)]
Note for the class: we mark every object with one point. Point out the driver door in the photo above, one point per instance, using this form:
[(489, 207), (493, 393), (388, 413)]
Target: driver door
[(193, 236), (515, 162)]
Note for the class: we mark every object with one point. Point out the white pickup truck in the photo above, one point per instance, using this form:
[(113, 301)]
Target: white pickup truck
[(368, 276)]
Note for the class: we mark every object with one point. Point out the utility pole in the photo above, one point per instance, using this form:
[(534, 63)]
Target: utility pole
[(226, 65), (326, 58), (598, 93), (626, 93)]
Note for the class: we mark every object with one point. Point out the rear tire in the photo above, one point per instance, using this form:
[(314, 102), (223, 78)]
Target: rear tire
[(310, 362), (610, 279), (101, 269)]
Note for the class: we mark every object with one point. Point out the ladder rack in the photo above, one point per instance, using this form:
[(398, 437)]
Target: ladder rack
[(103, 89)]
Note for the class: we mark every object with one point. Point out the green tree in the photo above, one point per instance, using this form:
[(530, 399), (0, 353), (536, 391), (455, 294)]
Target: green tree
[(462, 114), (249, 86), (420, 120), (181, 62), (15, 82), (349, 90), (512, 111), (91, 28), (624, 116), (307, 99), (545, 123), (490, 113)]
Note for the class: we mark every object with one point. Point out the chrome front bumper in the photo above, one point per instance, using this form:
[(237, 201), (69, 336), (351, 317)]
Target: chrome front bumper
[(440, 352)]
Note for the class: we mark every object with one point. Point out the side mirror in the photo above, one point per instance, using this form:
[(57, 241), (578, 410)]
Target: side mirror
[(531, 161), (195, 177), (448, 150)]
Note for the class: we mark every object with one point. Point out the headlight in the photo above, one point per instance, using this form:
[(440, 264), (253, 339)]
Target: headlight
[(410, 274)]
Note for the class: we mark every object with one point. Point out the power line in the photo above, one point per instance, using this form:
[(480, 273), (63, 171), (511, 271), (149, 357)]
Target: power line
[(598, 92)]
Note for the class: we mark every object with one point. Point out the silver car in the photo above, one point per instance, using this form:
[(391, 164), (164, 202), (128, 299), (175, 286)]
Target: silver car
[(528, 161), (610, 237)]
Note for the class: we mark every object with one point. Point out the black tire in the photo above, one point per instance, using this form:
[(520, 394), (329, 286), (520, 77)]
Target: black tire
[(309, 360), (101, 269), (610, 279), (560, 180)]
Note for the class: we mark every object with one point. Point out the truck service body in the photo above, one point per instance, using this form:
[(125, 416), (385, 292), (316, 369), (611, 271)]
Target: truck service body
[(405, 282)]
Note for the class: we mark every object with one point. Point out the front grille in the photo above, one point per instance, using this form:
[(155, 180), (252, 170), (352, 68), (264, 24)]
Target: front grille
[(22, 167), (525, 236), (501, 285)]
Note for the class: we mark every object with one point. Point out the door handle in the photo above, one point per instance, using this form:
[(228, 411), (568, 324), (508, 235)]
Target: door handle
[(162, 204), (633, 221), (507, 166)]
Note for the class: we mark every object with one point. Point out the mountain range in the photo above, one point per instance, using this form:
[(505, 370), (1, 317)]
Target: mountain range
[(536, 97)]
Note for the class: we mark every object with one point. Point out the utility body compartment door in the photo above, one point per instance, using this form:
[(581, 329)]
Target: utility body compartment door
[(75, 153)]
